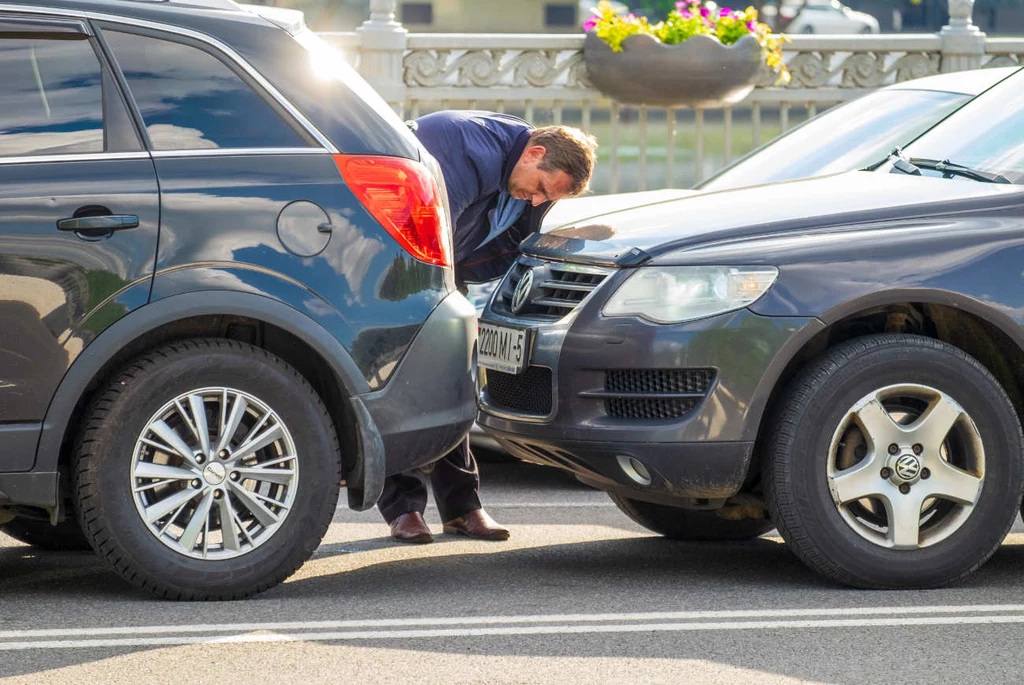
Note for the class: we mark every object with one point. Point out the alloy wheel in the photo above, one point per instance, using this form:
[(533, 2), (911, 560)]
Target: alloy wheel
[(214, 473), (906, 466)]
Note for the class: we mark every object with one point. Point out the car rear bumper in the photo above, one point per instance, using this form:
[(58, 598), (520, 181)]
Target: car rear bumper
[(429, 403)]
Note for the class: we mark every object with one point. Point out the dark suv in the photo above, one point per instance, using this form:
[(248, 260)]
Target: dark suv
[(845, 354), (225, 289)]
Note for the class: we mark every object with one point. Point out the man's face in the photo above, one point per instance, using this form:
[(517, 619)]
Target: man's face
[(529, 182)]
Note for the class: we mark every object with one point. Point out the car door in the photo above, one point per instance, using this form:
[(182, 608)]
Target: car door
[(79, 214), (242, 185)]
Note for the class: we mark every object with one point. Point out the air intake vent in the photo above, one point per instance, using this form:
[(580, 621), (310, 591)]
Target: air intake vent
[(526, 393), (654, 394)]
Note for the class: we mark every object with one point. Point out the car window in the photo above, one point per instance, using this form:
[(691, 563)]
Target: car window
[(986, 135), (851, 136), (190, 100), (52, 97)]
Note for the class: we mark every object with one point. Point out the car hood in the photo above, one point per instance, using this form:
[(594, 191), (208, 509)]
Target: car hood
[(631, 236), (579, 209)]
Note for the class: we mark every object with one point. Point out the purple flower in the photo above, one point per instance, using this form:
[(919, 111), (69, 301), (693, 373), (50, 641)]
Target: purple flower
[(589, 24), (752, 26), (725, 12), (705, 12), (686, 14)]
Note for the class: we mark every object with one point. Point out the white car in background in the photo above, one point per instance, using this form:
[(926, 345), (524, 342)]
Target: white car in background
[(823, 16)]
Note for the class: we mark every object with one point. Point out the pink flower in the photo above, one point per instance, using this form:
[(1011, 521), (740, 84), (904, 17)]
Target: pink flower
[(686, 14), (752, 26), (705, 12), (725, 12), (681, 5), (589, 24)]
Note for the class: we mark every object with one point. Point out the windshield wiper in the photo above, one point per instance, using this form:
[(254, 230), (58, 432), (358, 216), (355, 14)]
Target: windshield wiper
[(944, 166)]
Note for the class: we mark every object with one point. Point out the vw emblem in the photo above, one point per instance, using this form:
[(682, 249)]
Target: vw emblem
[(521, 294), (907, 467)]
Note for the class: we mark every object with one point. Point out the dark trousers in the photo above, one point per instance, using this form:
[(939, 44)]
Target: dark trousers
[(455, 482)]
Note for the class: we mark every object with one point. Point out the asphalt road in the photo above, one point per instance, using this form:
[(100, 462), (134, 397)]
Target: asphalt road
[(579, 594)]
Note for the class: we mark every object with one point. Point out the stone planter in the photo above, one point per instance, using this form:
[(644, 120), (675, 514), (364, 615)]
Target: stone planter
[(699, 72)]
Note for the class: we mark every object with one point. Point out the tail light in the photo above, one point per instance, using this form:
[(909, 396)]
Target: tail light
[(404, 198)]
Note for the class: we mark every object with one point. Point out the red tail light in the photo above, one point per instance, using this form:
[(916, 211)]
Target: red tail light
[(401, 195)]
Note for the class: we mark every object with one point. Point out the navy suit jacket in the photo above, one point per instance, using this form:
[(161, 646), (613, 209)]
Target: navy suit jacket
[(477, 151)]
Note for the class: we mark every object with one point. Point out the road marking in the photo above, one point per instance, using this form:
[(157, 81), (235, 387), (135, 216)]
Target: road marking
[(334, 636), (516, 625), (547, 505), (524, 505)]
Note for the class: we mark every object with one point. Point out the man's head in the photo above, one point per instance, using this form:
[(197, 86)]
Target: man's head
[(557, 163)]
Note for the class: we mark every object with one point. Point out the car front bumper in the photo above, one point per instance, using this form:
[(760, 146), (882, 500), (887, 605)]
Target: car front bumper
[(661, 411)]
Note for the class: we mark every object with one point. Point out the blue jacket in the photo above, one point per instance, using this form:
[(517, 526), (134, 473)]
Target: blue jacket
[(477, 151)]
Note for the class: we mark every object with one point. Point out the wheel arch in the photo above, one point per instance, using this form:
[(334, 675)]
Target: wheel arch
[(265, 322), (974, 327)]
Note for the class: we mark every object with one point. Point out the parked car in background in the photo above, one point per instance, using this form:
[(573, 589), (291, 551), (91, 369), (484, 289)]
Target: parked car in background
[(213, 313), (837, 357), (820, 16)]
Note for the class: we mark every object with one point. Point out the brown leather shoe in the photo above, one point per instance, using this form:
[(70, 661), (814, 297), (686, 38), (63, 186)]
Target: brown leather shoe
[(411, 528), (476, 524)]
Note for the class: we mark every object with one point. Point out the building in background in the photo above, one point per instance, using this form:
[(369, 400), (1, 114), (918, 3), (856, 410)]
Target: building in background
[(995, 17), (491, 16)]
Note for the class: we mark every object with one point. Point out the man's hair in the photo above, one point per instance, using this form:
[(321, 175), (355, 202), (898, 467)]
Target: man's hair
[(570, 150)]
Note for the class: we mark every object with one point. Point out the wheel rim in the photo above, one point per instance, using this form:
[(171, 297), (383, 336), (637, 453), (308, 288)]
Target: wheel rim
[(214, 473), (906, 466)]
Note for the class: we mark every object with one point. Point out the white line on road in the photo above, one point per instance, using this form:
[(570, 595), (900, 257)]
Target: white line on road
[(786, 614), (526, 505), (516, 630)]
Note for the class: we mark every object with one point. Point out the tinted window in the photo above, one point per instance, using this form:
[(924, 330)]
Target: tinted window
[(417, 13), (191, 100), (560, 15), (52, 95), (987, 134), (850, 136)]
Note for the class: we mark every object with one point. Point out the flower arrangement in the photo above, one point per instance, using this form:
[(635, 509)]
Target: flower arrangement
[(691, 18)]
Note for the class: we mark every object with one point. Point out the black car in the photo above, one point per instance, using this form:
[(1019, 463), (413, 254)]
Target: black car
[(841, 358), (225, 289)]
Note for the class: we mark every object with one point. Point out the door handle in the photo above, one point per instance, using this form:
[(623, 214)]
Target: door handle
[(93, 226)]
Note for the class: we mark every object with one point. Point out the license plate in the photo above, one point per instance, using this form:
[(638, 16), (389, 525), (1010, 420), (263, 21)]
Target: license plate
[(503, 348)]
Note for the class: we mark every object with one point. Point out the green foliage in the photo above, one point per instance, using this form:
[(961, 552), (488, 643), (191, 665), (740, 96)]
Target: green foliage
[(688, 18)]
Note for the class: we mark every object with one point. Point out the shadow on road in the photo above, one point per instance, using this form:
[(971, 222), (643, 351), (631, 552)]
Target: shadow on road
[(623, 575)]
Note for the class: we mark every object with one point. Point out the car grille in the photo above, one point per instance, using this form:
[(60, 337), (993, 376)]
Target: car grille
[(558, 288), (653, 394), (526, 393)]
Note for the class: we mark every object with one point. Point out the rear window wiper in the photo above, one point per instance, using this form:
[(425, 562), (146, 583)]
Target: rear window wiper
[(944, 166)]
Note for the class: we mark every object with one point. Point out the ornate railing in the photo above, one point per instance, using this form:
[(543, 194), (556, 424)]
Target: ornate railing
[(543, 78)]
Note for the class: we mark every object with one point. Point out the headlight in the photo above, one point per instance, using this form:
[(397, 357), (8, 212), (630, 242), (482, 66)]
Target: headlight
[(673, 294)]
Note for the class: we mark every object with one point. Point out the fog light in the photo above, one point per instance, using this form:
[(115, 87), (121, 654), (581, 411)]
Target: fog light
[(636, 471)]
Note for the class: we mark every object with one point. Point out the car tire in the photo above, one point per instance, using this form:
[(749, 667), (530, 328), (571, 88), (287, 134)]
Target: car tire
[(840, 496), (66, 536), (271, 453), (691, 525)]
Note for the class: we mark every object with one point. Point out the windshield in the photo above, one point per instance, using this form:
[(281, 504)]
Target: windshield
[(987, 135), (847, 137)]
